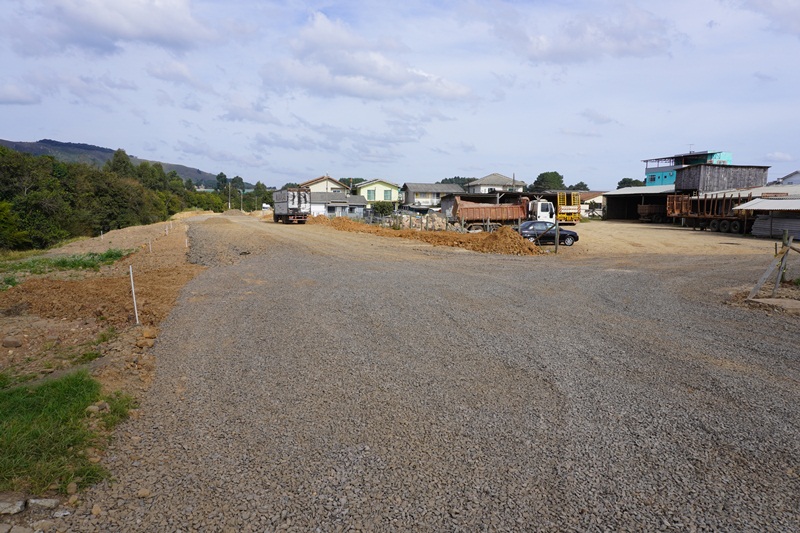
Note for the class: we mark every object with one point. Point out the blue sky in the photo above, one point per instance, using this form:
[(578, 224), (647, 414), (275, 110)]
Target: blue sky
[(412, 91)]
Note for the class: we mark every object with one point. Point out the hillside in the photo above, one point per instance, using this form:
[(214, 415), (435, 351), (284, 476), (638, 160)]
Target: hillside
[(97, 156)]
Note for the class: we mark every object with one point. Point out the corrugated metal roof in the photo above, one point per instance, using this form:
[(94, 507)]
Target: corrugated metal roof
[(495, 179), (771, 204), (789, 190), (652, 189), (433, 187), (337, 198)]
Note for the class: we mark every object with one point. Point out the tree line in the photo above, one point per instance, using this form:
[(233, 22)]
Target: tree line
[(44, 201)]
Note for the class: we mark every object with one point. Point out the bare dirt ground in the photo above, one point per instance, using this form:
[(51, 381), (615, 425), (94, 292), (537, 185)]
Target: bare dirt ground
[(61, 317)]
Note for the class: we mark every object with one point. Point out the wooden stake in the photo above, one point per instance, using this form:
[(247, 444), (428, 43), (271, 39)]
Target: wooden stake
[(133, 292)]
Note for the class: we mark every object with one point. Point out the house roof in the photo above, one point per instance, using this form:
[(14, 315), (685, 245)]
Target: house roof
[(339, 198), (444, 188), (645, 189), (309, 183), (590, 195), (496, 179), (373, 182), (771, 204)]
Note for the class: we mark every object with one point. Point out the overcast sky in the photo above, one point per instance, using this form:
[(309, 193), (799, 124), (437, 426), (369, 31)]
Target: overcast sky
[(409, 91)]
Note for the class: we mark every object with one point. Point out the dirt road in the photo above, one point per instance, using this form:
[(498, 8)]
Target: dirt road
[(310, 379)]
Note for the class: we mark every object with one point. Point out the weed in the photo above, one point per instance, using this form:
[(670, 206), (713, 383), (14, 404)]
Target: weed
[(118, 406), (5, 380), (42, 265), (8, 282), (87, 357), (43, 434), (106, 335)]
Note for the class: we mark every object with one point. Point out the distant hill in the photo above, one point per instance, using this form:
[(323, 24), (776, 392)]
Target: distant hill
[(97, 156)]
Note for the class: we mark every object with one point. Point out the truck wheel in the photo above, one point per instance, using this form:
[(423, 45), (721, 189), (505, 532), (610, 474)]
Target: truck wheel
[(713, 225), (736, 226), (274, 217), (724, 226), (569, 240)]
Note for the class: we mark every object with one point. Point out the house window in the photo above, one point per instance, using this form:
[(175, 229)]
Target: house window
[(371, 195), (387, 195)]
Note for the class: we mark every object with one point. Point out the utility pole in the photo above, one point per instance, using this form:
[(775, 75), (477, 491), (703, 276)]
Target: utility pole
[(229, 195)]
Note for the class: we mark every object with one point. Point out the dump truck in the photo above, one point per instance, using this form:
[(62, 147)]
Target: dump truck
[(292, 205), (474, 216), (714, 212)]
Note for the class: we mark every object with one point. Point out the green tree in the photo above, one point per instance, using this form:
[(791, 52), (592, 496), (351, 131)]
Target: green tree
[(351, 182), (580, 186), (383, 208), (120, 164), (629, 182), (547, 181), (457, 180), (12, 236), (290, 185), (237, 183), (189, 185), (222, 182)]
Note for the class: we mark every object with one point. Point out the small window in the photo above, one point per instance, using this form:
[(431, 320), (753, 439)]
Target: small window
[(387, 195), (371, 195)]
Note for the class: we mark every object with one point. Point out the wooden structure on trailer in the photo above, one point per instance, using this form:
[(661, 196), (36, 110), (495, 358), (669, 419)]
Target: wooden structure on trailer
[(714, 211)]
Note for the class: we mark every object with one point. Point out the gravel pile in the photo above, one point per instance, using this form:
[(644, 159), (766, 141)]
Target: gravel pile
[(309, 385)]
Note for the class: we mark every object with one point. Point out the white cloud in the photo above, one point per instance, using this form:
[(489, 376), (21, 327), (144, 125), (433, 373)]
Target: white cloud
[(177, 73), (779, 157), (103, 26), (244, 112), (597, 118), (783, 15), (11, 94), (627, 31), (328, 59)]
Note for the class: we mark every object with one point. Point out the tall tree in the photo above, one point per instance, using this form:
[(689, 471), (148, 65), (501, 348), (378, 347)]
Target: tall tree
[(222, 182), (237, 183), (547, 181), (120, 164), (580, 186), (629, 182), (457, 180), (290, 185)]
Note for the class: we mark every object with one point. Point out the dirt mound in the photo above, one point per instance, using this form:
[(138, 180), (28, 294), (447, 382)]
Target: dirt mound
[(235, 213), (503, 241), (321, 220), (216, 220)]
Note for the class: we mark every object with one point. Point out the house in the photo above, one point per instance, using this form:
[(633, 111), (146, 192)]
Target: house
[(337, 204), (379, 191), (790, 179), (663, 170), (591, 203), (326, 184), (493, 183), (421, 196)]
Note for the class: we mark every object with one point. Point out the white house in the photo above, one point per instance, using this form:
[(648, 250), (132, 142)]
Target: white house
[(336, 204), (424, 195), (495, 183), (790, 179), (326, 184)]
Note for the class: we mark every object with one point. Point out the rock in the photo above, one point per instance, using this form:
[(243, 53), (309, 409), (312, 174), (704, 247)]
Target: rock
[(143, 493), (96, 510), (145, 343), (92, 409), (73, 499), (44, 525), (149, 333), (43, 503), (5, 528), (20, 529), (12, 342), (72, 488), (11, 504)]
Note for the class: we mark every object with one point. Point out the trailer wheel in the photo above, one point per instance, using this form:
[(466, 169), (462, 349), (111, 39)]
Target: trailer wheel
[(736, 226), (713, 225), (724, 226)]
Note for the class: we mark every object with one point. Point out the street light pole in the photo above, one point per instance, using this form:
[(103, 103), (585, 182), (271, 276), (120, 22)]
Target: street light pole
[(229, 195), (241, 200)]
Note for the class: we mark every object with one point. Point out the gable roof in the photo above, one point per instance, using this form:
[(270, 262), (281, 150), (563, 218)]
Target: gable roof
[(496, 179), (373, 182), (309, 183), (337, 198), (445, 188), (590, 195)]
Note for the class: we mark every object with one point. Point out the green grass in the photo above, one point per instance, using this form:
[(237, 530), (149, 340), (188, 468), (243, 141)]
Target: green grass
[(42, 265), (8, 282), (44, 431)]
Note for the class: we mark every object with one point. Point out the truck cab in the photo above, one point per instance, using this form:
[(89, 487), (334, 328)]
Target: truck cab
[(541, 210)]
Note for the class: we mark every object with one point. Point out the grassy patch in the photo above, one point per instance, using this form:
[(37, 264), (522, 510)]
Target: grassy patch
[(44, 433), (106, 335), (42, 265), (87, 357), (8, 282)]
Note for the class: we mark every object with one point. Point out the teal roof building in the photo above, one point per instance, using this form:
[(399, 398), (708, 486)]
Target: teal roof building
[(662, 170)]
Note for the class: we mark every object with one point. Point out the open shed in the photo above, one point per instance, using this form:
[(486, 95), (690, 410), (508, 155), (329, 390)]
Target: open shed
[(622, 204)]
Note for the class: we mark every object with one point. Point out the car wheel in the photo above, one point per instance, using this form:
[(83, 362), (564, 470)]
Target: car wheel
[(532, 239), (569, 240)]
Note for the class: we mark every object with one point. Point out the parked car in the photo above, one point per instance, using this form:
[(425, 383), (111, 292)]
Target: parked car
[(542, 232)]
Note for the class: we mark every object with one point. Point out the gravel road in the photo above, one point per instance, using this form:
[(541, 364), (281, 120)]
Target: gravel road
[(319, 381)]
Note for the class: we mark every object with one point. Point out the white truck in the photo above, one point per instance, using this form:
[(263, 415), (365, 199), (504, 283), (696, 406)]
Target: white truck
[(292, 205)]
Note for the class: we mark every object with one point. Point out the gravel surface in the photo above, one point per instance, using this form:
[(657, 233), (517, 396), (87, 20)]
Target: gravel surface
[(316, 381)]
